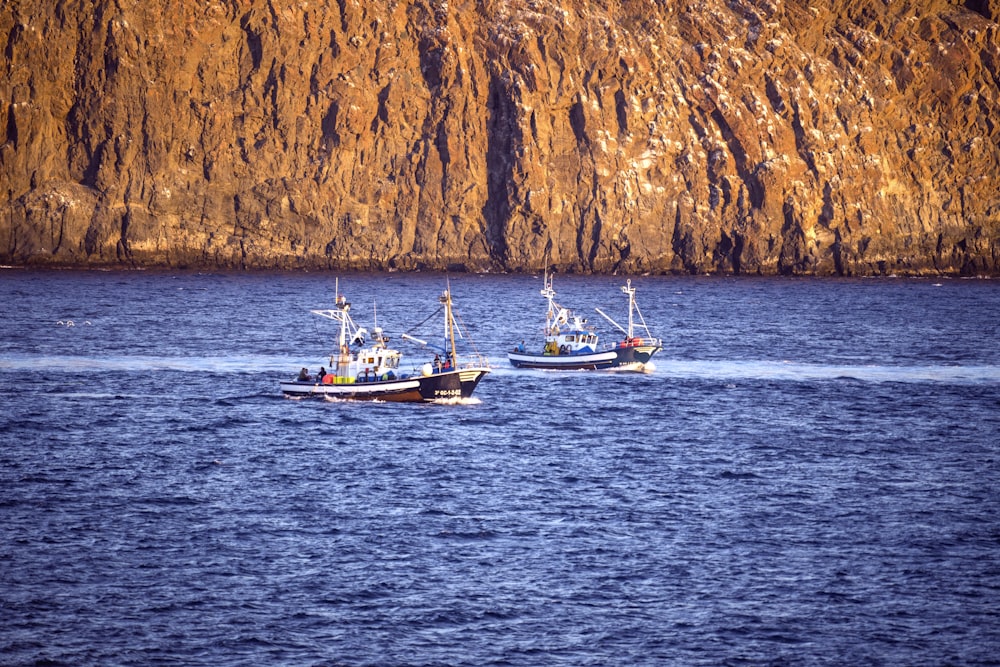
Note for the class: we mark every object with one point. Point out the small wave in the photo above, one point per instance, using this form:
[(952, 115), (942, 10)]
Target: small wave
[(103, 396), (470, 535), (729, 474), (237, 400), (330, 399), (457, 401), (208, 465)]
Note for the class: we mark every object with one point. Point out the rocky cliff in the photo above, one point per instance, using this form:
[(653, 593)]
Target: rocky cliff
[(767, 136)]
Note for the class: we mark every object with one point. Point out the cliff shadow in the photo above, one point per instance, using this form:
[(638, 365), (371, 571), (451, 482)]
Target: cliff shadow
[(501, 128)]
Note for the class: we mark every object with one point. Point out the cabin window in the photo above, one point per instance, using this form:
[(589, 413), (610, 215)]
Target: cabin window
[(570, 339), (371, 360)]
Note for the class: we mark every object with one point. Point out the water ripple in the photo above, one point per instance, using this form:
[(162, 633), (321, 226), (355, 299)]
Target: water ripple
[(798, 482)]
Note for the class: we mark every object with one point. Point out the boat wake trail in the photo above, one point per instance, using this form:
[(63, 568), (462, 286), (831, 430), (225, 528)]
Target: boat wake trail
[(664, 368), (795, 371), (84, 364)]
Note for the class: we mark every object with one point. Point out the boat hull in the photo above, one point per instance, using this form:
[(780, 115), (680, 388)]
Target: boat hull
[(634, 357), (447, 385), (563, 362), (622, 357)]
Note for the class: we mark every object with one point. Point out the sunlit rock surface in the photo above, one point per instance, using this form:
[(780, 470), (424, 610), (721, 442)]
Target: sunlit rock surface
[(632, 136)]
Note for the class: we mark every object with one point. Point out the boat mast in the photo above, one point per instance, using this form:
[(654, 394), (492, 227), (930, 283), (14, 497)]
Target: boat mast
[(628, 289), (549, 294), (449, 323), (343, 306)]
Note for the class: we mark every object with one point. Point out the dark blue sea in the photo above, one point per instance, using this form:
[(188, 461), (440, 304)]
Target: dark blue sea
[(810, 476)]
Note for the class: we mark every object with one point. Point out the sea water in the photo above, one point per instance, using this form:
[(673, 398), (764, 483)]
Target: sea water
[(810, 475)]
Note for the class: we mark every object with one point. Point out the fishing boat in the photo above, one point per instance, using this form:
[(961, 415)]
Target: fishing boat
[(571, 344), (363, 368)]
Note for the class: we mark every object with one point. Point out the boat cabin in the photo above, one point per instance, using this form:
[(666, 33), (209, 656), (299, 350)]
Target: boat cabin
[(574, 341)]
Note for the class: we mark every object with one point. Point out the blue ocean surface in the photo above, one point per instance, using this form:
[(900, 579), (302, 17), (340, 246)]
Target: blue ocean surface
[(809, 476)]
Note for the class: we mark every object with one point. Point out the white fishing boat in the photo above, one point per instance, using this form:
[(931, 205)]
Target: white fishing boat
[(571, 344), (369, 369)]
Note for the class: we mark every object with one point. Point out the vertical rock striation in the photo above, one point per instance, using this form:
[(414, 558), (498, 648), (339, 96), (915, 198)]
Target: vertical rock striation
[(614, 135)]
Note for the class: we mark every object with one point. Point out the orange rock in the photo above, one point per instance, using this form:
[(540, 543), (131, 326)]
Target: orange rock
[(721, 136)]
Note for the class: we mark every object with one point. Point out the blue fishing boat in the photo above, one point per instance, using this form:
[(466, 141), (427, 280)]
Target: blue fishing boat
[(571, 344)]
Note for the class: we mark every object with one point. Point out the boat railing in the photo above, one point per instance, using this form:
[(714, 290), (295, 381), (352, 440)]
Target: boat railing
[(463, 361), (473, 361), (635, 341)]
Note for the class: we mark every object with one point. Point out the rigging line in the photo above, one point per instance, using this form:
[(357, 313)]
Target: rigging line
[(459, 325), (467, 336), (417, 326), (642, 319)]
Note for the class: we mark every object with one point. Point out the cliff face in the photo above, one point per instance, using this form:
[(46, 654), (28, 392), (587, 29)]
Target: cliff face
[(719, 136)]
